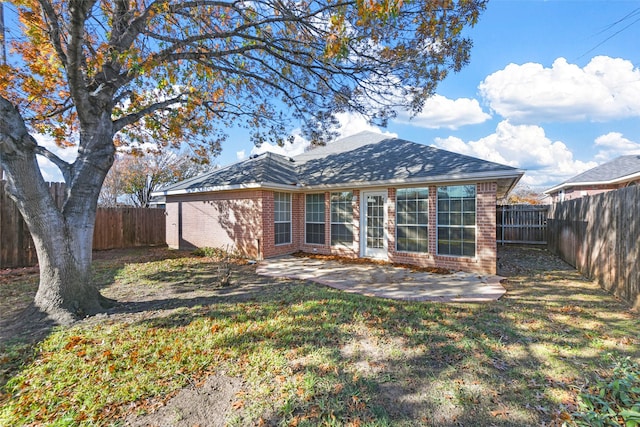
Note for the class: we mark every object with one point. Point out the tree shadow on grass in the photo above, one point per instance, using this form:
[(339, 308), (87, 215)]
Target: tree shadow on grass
[(518, 361), (24, 326)]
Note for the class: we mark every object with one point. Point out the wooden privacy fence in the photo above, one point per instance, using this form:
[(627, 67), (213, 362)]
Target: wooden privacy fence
[(524, 224), (129, 227), (600, 236), (114, 228), (16, 246)]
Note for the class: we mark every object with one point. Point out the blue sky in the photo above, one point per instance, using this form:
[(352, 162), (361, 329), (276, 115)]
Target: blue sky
[(553, 87)]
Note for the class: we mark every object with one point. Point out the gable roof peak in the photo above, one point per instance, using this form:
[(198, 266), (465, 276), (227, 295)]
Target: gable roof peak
[(342, 145)]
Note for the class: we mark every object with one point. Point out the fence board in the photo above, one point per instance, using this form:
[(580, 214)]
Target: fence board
[(114, 228), (525, 224), (599, 236)]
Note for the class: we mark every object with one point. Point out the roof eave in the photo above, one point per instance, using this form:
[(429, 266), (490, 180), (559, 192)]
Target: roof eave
[(619, 180), (515, 175), (474, 177), (214, 188)]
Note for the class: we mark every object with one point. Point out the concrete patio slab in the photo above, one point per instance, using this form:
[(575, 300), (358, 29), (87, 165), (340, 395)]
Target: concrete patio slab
[(386, 281)]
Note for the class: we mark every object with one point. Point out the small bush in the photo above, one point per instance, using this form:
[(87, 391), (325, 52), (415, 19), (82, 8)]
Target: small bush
[(218, 253), (613, 401)]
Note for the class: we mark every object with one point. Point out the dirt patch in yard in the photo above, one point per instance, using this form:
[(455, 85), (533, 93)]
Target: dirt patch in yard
[(206, 404)]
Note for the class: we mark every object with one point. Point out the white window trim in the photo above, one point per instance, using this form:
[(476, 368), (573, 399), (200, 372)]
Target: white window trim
[(331, 222), (283, 222), (324, 198), (459, 226), (412, 225)]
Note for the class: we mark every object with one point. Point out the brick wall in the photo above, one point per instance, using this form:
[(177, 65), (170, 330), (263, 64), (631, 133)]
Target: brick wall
[(228, 220), (326, 248), (270, 249), (245, 220), (172, 225), (486, 248)]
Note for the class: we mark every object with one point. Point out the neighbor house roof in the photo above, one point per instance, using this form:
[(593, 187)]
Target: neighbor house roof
[(365, 159), (618, 170)]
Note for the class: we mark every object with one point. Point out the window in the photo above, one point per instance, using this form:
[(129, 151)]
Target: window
[(282, 218), (341, 218), (314, 216), (412, 219), (457, 220)]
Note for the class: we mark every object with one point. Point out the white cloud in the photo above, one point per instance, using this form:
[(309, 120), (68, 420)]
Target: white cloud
[(50, 172), (523, 146), (350, 124), (288, 149), (613, 145), (353, 123), (241, 155), (441, 112), (605, 89)]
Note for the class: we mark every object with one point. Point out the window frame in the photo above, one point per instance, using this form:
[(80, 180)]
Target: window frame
[(276, 213), (418, 213), (462, 226), (348, 223), (306, 218)]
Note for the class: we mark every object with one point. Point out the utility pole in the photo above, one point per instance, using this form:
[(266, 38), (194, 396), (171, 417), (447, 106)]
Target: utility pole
[(3, 56), (3, 47)]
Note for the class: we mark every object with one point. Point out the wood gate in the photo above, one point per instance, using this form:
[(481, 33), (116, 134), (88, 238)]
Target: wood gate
[(524, 224)]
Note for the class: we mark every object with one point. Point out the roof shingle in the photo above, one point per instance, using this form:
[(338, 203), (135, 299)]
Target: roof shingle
[(363, 158)]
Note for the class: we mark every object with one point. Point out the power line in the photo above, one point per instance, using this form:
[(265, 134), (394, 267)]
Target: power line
[(3, 47), (628, 16)]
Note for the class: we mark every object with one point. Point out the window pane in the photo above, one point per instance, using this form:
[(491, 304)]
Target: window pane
[(443, 218), (341, 234), (412, 218), (315, 234), (314, 230), (341, 218), (282, 218), (456, 220), (469, 218), (283, 233)]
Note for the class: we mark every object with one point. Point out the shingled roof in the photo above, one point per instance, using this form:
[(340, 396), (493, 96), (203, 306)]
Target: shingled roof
[(364, 159), (620, 169)]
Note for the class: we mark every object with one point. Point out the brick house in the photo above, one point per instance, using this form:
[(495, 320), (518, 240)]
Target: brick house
[(618, 173), (364, 196)]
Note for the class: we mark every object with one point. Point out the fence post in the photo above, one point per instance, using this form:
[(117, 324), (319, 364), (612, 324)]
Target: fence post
[(502, 225)]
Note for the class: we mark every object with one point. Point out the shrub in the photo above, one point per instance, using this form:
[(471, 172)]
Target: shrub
[(613, 401), (218, 253)]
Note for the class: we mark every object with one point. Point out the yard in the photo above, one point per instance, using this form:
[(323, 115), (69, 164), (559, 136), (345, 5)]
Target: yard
[(283, 352)]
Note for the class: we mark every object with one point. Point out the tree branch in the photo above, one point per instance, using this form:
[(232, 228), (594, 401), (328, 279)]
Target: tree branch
[(64, 167), (134, 117), (75, 63)]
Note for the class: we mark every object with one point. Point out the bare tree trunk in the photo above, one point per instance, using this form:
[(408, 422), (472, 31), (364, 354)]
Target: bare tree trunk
[(66, 291), (63, 238)]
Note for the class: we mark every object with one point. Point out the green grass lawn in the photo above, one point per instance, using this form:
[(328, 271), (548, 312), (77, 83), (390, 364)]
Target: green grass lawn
[(310, 355)]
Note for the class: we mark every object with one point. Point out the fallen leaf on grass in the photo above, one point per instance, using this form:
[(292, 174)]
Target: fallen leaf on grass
[(502, 412)]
